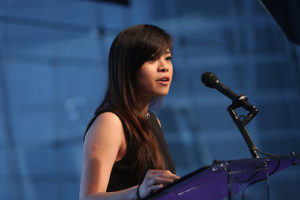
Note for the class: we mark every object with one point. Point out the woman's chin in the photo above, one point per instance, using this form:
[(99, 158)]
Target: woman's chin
[(162, 93)]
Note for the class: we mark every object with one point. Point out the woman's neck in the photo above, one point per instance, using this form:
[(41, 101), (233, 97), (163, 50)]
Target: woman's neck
[(145, 102)]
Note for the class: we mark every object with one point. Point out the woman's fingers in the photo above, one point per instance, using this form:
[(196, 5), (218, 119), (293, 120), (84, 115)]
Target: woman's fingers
[(161, 174), (165, 173), (156, 179), (160, 180)]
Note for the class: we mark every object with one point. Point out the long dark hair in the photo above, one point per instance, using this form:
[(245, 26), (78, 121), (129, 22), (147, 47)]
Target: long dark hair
[(129, 51)]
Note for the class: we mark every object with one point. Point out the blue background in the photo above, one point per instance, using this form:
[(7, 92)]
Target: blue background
[(53, 66)]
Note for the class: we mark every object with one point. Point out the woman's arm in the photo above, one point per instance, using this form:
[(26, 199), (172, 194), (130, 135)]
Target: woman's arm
[(104, 144)]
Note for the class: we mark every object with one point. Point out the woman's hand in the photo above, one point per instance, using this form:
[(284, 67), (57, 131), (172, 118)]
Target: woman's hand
[(154, 180)]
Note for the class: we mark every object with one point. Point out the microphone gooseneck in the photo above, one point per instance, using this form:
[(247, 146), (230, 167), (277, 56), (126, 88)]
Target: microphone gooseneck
[(211, 80)]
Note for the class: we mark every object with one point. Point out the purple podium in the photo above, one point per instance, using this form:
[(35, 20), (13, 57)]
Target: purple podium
[(224, 179)]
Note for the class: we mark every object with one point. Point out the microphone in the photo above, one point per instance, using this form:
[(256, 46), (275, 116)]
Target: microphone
[(211, 80)]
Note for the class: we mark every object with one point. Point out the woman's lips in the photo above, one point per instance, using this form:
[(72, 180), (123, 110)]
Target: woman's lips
[(164, 80)]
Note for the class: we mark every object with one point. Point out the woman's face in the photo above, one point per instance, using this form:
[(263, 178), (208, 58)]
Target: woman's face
[(155, 76)]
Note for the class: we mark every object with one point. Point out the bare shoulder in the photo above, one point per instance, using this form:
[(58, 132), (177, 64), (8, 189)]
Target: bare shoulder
[(106, 120), (106, 130), (108, 117)]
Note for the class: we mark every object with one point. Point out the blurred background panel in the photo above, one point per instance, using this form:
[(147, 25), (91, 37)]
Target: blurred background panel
[(53, 73)]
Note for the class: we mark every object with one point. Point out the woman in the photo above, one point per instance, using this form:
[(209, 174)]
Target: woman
[(124, 154)]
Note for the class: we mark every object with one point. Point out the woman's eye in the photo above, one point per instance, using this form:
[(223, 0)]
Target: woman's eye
[(168, 58)]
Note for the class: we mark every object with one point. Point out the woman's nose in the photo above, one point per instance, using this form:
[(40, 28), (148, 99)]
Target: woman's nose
[(163, 66)]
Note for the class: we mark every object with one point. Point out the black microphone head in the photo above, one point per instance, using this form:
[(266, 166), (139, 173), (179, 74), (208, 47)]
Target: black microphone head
[(209, 79)]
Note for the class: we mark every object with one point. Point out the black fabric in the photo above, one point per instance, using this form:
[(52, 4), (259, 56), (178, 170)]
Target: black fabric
[(162, 145), (122, 175)]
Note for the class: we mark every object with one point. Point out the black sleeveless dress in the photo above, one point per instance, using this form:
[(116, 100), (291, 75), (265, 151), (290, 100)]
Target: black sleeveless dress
[(122, 175)]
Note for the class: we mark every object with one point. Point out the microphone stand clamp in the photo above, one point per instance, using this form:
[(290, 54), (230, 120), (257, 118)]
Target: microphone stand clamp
[(242, 121)]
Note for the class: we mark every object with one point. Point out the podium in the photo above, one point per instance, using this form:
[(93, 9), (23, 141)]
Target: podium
[(224, 179)]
